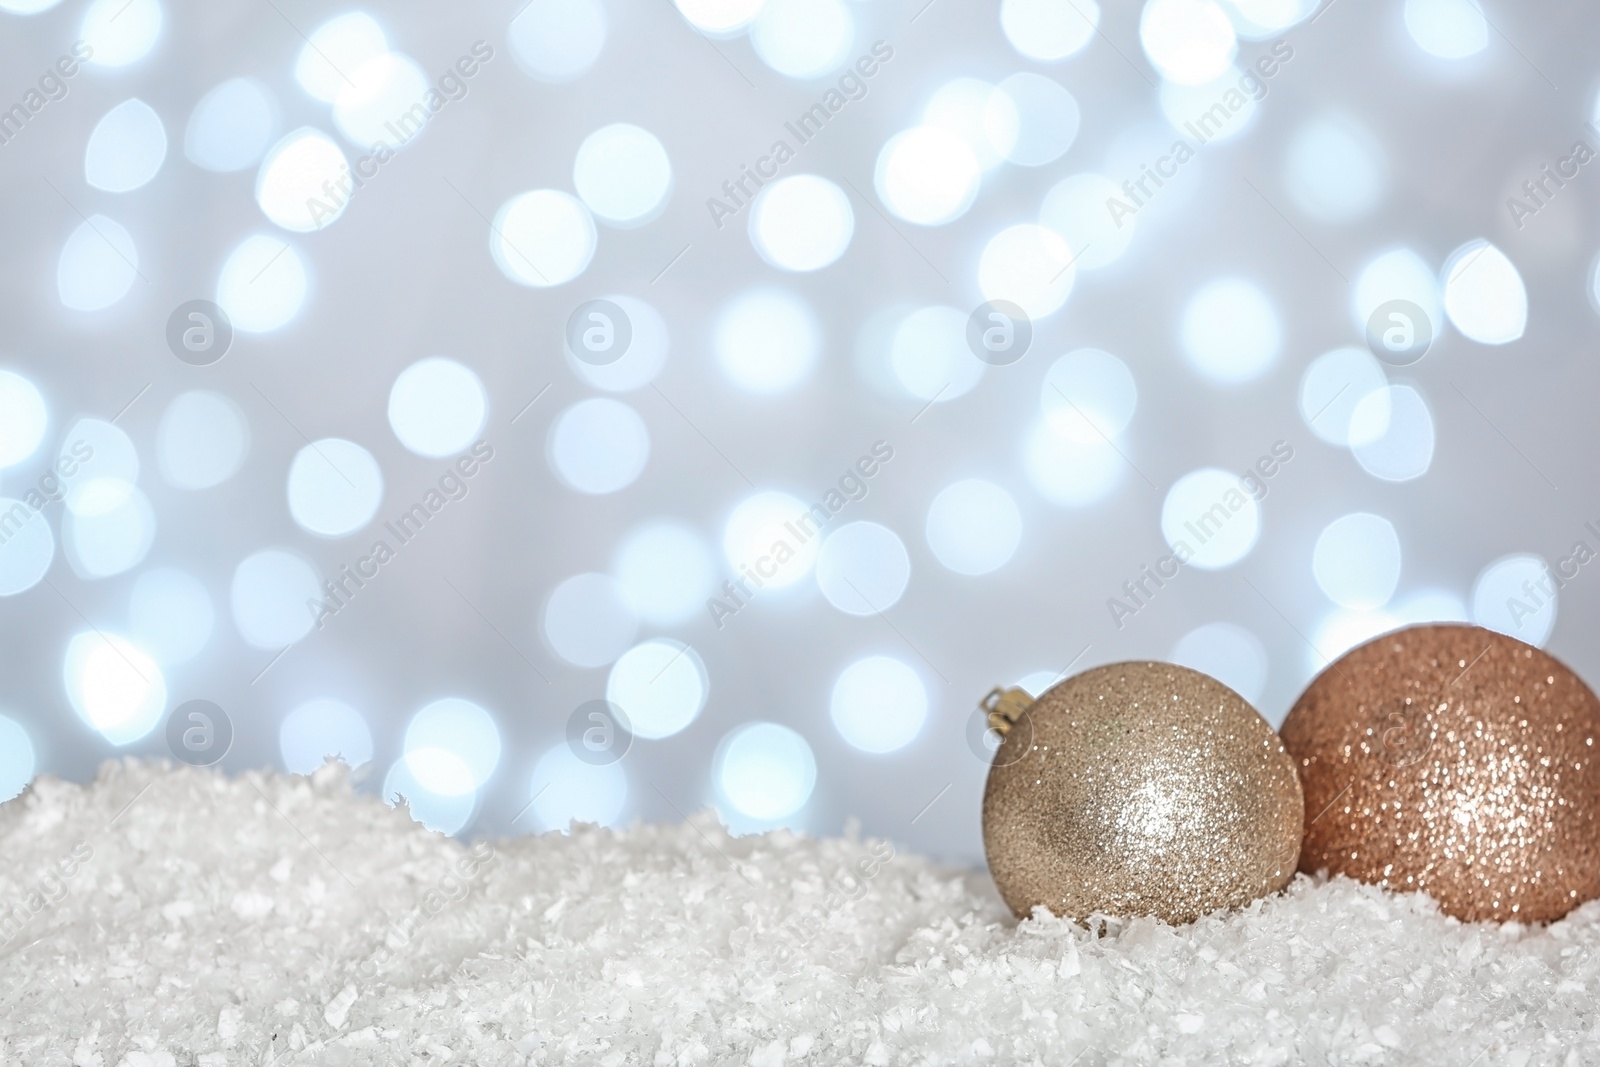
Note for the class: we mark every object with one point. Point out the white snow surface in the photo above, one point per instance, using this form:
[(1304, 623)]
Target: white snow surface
[(171, 917)]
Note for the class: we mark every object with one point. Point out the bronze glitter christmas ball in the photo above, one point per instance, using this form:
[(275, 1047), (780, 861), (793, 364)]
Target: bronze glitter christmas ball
[(1140, 789), (1457, 761)]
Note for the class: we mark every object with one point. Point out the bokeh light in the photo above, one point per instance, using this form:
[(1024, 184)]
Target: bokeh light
[(28, 549), (1449, 29), (963, 107), (1217, 109), (1391, 432), (442, 772), (98, 265), (335, 487), (18, 761), (660, 685), (447, 814), (269, 597), (1333, 386), (384, 101), (599, 446), (1334, 169), (341, 44), (202, 440), (622, 172), (974, 527), (587, 621), (1068, 472), (263, 285), (110, 542), (863, 568), (720, 18), (557, 40), (126, 148), (801, 223), (766, 340), (1046, 30), (1028, 265), (930, 357), (321, 728), (170, 615), (121, 31), (1038, 683), (665, 572), (452, 746), (1257, 20), (1075, 209), (879, 704), (804, 261), (772, 531), (1209, 517), (1344, 629), (1594, 280), (542, 238), (1088, 396), (1398, 274), (803, 38), (437, 407), (1429, 605), (1189, 41), (927, 175), (1229, 653), (1484, 295), (231, 127), (1031, 120), (1356, 560), (115, 688), (105, 466), (23, 418), (1516, 595), (765, 771), (1230, 332), (646, 353), (566, 790), (304, 183)]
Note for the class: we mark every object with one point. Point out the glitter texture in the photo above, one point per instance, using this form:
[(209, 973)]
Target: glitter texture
[(1140, 789), (1457, 761)]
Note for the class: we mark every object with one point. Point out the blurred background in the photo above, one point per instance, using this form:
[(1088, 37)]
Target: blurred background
[(602, 410)]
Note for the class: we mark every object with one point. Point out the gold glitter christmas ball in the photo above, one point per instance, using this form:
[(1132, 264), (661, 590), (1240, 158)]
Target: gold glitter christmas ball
[(1140, 789), (1457, 761)]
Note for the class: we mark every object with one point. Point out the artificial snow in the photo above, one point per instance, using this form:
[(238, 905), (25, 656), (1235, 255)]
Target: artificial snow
[(161, 917)]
